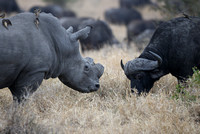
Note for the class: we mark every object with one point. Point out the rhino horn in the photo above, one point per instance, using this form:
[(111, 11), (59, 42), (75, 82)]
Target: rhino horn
[(90, 60), (100, 70), (81, 34), (70, 29)]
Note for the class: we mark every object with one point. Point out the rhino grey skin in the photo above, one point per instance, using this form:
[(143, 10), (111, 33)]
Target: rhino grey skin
[(174, 48), (29, 55)]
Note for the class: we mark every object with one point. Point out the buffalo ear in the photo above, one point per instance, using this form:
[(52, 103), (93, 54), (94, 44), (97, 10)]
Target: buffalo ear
[(156, 74)]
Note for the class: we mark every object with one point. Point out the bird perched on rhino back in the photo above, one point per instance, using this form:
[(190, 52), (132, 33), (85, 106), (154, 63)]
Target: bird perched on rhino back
[(29, 55), (121, 15), (174, 48), (5, 22), (100, 35)]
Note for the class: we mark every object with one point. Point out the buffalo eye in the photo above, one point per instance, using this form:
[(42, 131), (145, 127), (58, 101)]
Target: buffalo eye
[(138, 76)]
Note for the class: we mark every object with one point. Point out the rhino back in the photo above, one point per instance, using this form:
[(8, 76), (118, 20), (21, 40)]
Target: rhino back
[(24, 48)]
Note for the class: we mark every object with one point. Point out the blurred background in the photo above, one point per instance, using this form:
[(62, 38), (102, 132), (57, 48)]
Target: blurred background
[(118, 22)]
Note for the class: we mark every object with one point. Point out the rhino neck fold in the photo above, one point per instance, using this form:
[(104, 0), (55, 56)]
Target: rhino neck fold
[(71, 63)]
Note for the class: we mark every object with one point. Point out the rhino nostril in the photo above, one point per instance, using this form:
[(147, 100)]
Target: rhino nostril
[(97, 85)]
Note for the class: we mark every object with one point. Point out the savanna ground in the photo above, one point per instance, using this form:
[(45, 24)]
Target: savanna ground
[(55, 108)]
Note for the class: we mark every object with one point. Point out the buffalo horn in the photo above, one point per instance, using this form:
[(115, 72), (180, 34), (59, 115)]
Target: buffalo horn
[(140, 64), (122, 65), (158, 58)]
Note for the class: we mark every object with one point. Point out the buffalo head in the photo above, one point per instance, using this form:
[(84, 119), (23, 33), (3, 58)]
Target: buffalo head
[(79, 73), (143, 72)]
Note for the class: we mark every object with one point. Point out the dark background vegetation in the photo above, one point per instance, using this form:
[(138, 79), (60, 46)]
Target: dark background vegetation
[(176, 7)]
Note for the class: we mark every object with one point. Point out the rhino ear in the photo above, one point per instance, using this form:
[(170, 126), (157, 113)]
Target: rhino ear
[(81, 34), (70, 29), (90, 60)]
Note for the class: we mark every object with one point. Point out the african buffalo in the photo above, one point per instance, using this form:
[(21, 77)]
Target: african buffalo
[(174, 48), (138, 31), (121, 15), (100, 34), (134, 3), (31, 53), (55, 10), (9, 6), (72, 21)]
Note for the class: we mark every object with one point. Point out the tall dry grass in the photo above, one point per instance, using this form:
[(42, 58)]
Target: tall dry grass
[(55, 108)]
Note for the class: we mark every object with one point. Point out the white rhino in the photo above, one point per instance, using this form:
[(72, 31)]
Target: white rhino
[(31, 53)]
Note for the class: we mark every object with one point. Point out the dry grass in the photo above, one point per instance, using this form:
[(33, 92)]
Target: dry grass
[(55, 108)]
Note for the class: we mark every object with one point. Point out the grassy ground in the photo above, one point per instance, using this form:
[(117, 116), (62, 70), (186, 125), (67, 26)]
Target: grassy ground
[(55, 108)]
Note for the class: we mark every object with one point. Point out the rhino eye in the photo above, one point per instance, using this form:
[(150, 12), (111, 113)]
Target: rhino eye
[(86, 68)]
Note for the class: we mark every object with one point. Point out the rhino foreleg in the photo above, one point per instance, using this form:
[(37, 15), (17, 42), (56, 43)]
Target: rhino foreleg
[(25, 86)]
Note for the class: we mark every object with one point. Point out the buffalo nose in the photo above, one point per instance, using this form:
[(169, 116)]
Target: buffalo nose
[(97, 85)]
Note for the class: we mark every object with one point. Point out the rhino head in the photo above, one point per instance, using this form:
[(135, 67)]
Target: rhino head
[(79, 73)]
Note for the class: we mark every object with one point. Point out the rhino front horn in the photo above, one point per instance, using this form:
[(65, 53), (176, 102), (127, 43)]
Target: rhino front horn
[(100, 70), (81, 34)]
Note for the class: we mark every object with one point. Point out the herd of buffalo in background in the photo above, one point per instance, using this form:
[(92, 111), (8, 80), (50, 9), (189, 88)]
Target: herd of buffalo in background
[(138, 30)]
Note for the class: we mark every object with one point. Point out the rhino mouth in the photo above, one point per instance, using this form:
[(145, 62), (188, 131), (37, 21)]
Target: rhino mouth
[(86, 90), (82, 86)]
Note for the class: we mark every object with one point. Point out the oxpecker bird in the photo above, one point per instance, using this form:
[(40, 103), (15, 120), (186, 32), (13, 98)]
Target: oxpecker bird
[(186, 16), (6, 23), (37, 12), (36, 22)]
